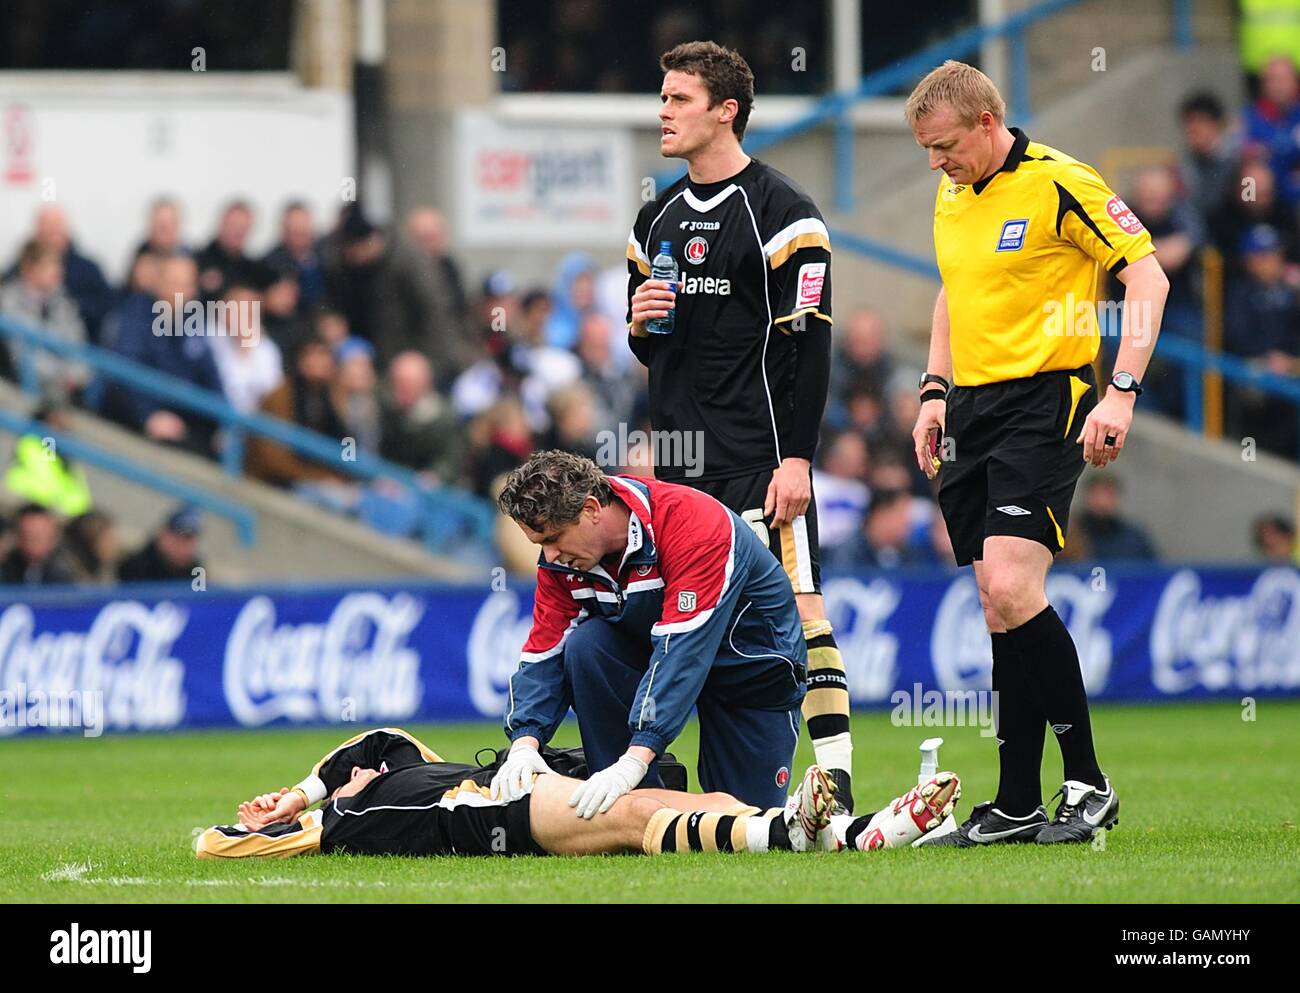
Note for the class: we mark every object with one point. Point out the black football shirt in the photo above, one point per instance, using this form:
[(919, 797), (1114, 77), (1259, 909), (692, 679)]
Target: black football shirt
[(755, 274)]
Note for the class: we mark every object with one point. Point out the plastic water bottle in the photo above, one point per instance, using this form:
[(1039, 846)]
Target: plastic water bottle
[(929, 766), (929, 760), (663, 267)]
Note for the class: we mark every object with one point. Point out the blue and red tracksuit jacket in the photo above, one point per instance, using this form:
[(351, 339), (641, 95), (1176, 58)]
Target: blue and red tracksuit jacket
[(728, 613)]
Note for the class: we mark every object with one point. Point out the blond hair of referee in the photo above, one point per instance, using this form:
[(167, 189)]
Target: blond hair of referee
[(1022, 233)]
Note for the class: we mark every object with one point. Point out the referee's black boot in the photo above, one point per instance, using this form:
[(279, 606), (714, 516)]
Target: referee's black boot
[(989, 826), (1084, 811)]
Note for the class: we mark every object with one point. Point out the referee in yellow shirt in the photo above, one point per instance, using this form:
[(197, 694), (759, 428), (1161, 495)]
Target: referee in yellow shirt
[(1022, 233)]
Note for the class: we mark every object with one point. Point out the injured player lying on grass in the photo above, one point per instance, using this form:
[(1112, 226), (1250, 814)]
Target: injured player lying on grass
[(386, 793)]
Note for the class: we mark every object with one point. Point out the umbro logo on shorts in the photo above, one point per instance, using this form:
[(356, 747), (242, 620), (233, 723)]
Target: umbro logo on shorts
[(1014, 511)]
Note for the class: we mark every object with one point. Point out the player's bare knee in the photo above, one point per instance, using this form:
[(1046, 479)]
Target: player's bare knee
[(1013, 597), (638, 811), (1003, 591)]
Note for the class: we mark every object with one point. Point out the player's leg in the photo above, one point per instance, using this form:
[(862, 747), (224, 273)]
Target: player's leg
[(795, 546), (559, 831), (965, 502), (1037, 474), (659, 822), (901, 822), (711, 803), (826, 705), (1019, 720)]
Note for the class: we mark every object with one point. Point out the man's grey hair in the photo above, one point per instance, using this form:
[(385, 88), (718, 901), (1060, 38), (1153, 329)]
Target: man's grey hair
[(550, 488)]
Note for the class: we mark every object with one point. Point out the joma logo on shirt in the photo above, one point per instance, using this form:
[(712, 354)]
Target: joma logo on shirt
[(705, 284)]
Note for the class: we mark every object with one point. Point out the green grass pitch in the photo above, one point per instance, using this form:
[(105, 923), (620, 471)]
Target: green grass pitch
[(1208, 814)]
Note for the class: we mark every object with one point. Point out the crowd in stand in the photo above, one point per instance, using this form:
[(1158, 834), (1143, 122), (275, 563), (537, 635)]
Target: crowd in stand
[(376, 341), (367, 337), (375, 338), (1235, 188)]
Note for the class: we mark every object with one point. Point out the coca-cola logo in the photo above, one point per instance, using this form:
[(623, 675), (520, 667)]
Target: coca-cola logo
[(495, 640), (959, 641), (858, 612), (1249, 642), (354, 667), (125, 655)]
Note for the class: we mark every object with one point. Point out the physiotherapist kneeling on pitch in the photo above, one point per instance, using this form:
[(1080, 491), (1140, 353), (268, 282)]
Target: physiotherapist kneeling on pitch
[(652, 598)]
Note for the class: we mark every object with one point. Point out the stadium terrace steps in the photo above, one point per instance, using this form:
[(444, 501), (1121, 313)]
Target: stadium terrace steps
[(295, 540)]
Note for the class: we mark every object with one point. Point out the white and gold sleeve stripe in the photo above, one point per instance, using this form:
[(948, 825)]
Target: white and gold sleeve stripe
[(635, 253), (809, 232)]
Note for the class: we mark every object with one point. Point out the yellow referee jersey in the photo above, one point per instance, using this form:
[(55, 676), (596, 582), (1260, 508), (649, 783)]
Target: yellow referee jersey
[(1020, 253)]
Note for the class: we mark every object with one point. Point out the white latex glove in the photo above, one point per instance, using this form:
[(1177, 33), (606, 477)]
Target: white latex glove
[(515, 777), (598, 793)]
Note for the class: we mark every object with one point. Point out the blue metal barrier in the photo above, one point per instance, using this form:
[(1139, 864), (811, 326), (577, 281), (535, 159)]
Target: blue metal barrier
[(446, 516), (1196, 360)]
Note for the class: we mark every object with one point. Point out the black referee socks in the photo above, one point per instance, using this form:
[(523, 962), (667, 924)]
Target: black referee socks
[(1020, 723), (1051, 662)]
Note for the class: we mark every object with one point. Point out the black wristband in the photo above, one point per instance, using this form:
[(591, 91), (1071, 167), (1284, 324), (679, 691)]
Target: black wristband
[(929, 378), (934, 395)]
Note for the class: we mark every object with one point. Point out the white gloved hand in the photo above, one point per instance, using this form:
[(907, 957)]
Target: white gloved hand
[(515, 777), (599, 792)]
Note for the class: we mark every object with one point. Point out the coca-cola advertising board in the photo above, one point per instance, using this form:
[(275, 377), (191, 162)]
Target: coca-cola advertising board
[(160, 657)]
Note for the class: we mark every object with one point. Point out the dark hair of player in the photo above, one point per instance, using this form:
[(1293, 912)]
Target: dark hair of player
[(550, 488), (724, 72)]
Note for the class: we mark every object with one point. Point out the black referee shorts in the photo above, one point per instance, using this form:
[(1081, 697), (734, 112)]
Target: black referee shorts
[(794, 544), (398, 813), (1015, 463)]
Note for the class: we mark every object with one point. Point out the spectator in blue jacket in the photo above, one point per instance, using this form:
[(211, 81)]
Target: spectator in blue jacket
[(83, 280), (296, 257), (170, 336), (1106, 535), (1262, 323), (1273, 124)]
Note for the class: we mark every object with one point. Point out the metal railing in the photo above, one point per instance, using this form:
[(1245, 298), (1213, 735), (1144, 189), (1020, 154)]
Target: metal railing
[(447, 517)]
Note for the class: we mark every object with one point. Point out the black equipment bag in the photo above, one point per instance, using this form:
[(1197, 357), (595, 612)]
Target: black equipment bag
[(572, 763)]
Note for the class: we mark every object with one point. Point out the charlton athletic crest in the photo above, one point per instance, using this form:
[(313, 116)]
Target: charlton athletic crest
[(782, 776), (696, 249)]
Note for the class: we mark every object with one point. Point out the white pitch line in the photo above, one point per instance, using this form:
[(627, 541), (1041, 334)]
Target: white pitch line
[(75, 872), (69, 873)]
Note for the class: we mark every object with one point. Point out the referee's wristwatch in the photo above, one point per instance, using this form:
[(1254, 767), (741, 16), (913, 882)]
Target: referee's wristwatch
[(1125, 383), (938, 392)]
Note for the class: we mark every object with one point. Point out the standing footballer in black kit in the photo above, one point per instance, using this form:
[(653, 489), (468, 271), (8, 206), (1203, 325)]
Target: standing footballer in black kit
[(745, 369)]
